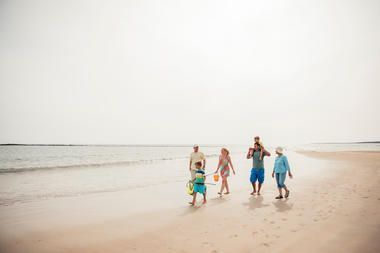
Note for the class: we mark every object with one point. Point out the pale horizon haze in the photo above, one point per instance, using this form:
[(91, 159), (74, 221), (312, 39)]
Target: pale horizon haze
[(182, 72)]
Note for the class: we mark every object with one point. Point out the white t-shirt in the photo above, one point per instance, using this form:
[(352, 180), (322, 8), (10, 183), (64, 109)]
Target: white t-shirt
[(196, 157)]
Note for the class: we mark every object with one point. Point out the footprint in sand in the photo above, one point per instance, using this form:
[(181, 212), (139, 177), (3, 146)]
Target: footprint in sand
[(294, 230), (272, 222), (266, 244), (315, 220), (284, 219)]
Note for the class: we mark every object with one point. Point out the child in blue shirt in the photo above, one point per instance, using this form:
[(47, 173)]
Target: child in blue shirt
[(199, 183)]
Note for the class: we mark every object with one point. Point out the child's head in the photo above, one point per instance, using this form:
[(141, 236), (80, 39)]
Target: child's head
[(224, 152), (257, 139), (198, 165)]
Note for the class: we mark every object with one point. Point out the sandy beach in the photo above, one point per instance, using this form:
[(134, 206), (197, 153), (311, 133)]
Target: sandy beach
[(110, 108), (334, 206)]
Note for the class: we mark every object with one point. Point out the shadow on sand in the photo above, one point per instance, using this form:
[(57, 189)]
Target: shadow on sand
[(282, 205), (255, 202), (199, 206)]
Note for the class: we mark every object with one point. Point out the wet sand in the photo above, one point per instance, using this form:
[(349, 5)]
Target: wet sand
[(334, 206)]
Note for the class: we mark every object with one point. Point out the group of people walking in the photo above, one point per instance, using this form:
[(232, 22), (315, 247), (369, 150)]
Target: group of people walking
[(257, 153)]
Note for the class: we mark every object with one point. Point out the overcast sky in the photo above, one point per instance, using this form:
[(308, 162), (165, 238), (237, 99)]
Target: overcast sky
[(177, 72)]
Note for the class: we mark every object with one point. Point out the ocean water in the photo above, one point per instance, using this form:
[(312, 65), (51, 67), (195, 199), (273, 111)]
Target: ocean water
[(38, 173), (29, 158), (32, 173)]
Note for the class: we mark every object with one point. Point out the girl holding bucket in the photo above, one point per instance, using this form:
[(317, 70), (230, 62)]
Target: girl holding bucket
[(224, 167)]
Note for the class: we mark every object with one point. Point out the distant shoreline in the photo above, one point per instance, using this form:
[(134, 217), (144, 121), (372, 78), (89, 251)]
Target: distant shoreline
[(171, 145), (343, 143), (116, 145)]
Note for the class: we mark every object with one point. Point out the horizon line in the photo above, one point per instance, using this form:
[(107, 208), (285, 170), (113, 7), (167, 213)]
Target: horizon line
[(167, 145)]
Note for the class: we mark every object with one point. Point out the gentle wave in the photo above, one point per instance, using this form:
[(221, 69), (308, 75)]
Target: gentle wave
[(88, 165), (31, 198)]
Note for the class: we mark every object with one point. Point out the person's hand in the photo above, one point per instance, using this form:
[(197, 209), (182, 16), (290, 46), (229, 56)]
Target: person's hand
[(189, 169), (273, 174), (234, 172), (290, 174)]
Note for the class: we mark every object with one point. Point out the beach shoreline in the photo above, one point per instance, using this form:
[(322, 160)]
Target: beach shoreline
[(336, 200)]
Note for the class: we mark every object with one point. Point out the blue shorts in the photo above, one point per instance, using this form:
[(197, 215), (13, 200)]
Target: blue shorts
[(257, 175), (201, 188)]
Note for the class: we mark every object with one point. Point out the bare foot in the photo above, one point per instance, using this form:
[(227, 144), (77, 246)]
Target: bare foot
[(259, 193), (192, 203), (227, 193), (204, 201), (253, 193)]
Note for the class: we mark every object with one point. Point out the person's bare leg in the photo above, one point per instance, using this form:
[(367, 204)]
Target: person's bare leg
[(258, 191), (227, 188), (254, 188), (194, 199), (221, 188), (204, 198)]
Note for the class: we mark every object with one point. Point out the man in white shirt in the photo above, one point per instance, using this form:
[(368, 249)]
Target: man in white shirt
[(196, 156)]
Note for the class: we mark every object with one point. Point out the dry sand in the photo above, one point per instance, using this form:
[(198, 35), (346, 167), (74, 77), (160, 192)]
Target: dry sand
[(334, 210)]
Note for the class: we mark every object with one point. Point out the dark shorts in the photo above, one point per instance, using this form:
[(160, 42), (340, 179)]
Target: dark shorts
[(257, 175)]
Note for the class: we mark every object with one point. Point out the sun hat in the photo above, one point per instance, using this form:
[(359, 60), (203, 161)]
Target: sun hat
[(196, 146), (279, 150)]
